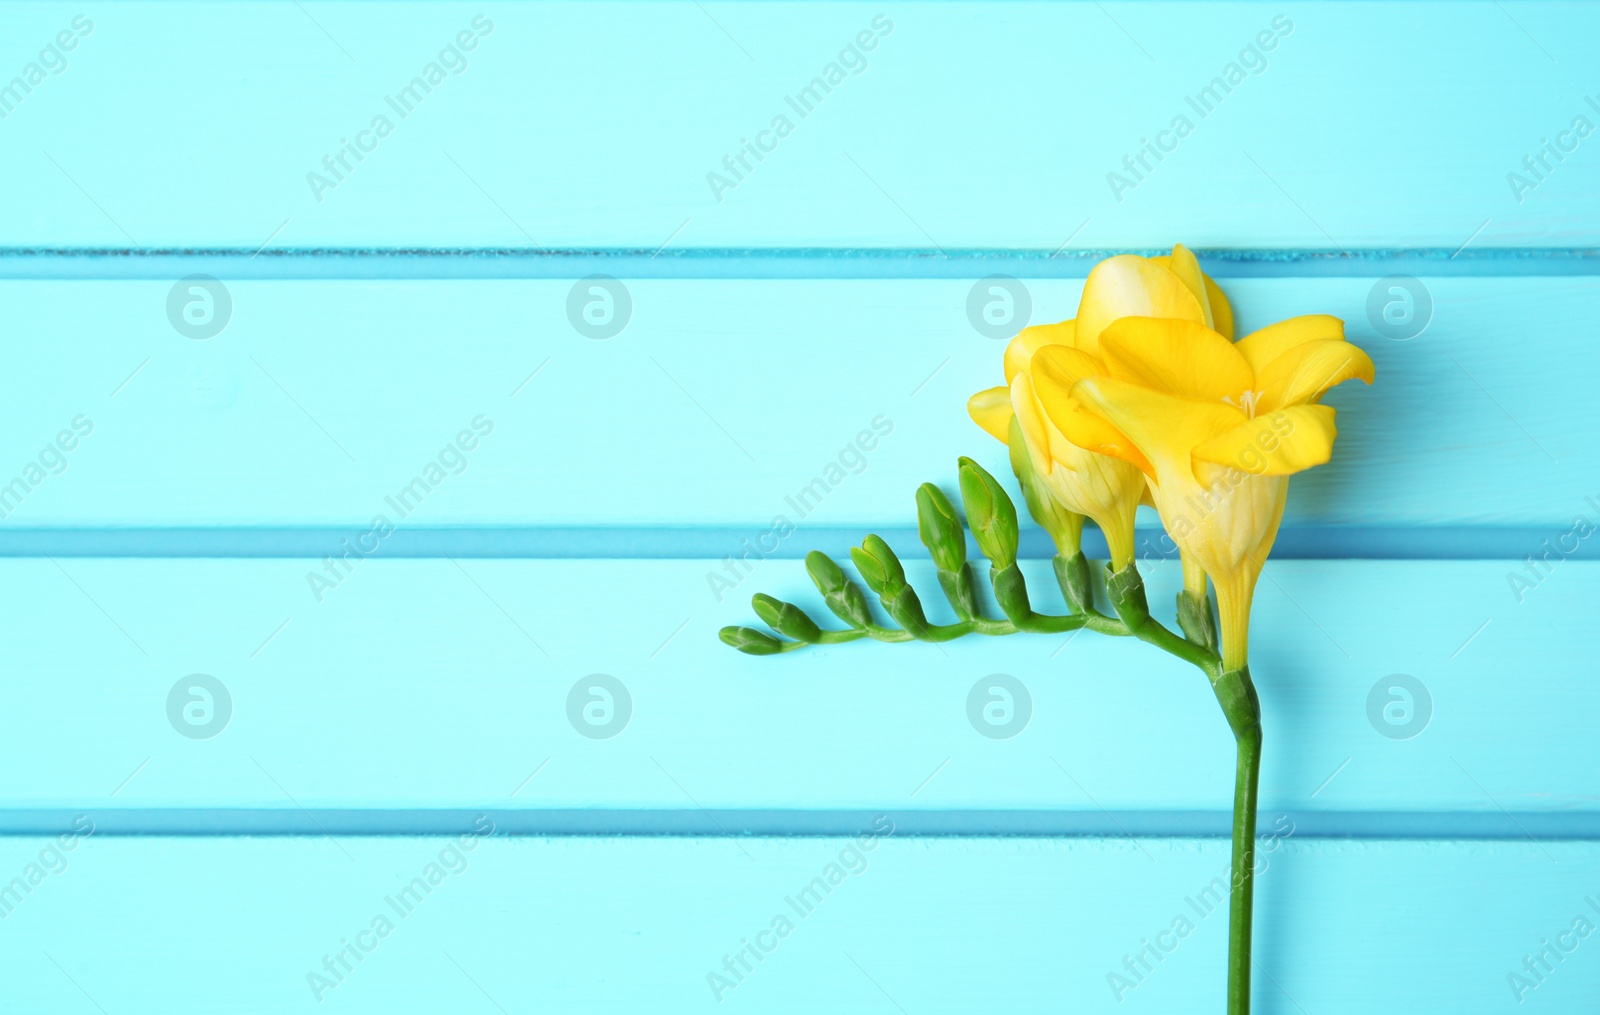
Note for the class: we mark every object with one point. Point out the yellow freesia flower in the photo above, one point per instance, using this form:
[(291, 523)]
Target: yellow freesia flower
[(1216, 427), (1108, 488)]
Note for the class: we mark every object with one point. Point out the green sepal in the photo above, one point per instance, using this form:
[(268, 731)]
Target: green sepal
[(787, 619), (1196, 620), (1011, 593), (1072, 574), (990, 514), (940, 528), (750, 641), (1125, 588), (1236, 693), (906, 609), (958, 589)]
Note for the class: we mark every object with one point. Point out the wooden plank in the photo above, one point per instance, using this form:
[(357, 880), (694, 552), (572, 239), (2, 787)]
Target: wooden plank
[(238, 925), (721, 403), (452, 684), (578, 126)]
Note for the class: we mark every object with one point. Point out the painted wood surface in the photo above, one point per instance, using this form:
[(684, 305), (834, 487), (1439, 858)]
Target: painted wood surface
[(1327, 125), (1430, 810), (722, 403), (921, 926), (454, 684)]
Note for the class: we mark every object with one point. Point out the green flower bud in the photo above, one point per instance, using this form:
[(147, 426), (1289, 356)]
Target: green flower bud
[(787, 619), (879, 567), (1072, 573), (843, 596), (825, 574), (940, 529), (990, 513), (1065, 527), (750, 641)]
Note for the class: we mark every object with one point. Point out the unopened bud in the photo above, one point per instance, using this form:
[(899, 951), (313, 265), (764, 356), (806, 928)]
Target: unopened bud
[(990, 514), (750, 641), (879, 567), (825, 574), (1065, 527), (786, 618), (843, 596), (940, 529)]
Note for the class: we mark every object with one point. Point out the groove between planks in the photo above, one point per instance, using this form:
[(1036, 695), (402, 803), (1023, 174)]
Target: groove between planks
[(422, 263), (1530, 827)]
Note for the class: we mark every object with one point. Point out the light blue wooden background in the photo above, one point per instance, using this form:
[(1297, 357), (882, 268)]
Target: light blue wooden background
[(374, 320)]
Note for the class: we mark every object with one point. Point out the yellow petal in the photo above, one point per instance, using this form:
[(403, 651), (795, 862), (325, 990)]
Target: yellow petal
[(991, 409), (1130, 286), (1030, 340), (1221, 310), (1305, 372), (1178, 357), (1160, 427), (1277, 443), (1183, 264), (1031, 420), (1264, 346), (1055, 371), (1065, 366), (1216, 301)]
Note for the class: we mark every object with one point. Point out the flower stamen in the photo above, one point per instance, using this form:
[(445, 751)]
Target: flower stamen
[(1247, 402)]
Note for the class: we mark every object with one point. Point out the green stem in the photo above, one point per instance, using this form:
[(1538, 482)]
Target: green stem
[(1241, 905), (1126, 591), (1237, 695), (1042, 623)]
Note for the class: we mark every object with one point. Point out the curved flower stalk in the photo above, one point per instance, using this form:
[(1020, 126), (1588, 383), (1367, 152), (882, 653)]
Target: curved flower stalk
[(1144, 397), (992, 517)]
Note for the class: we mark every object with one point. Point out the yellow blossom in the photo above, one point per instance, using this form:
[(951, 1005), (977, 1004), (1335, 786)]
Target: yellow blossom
[(1083, 480), (1216, 427)]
